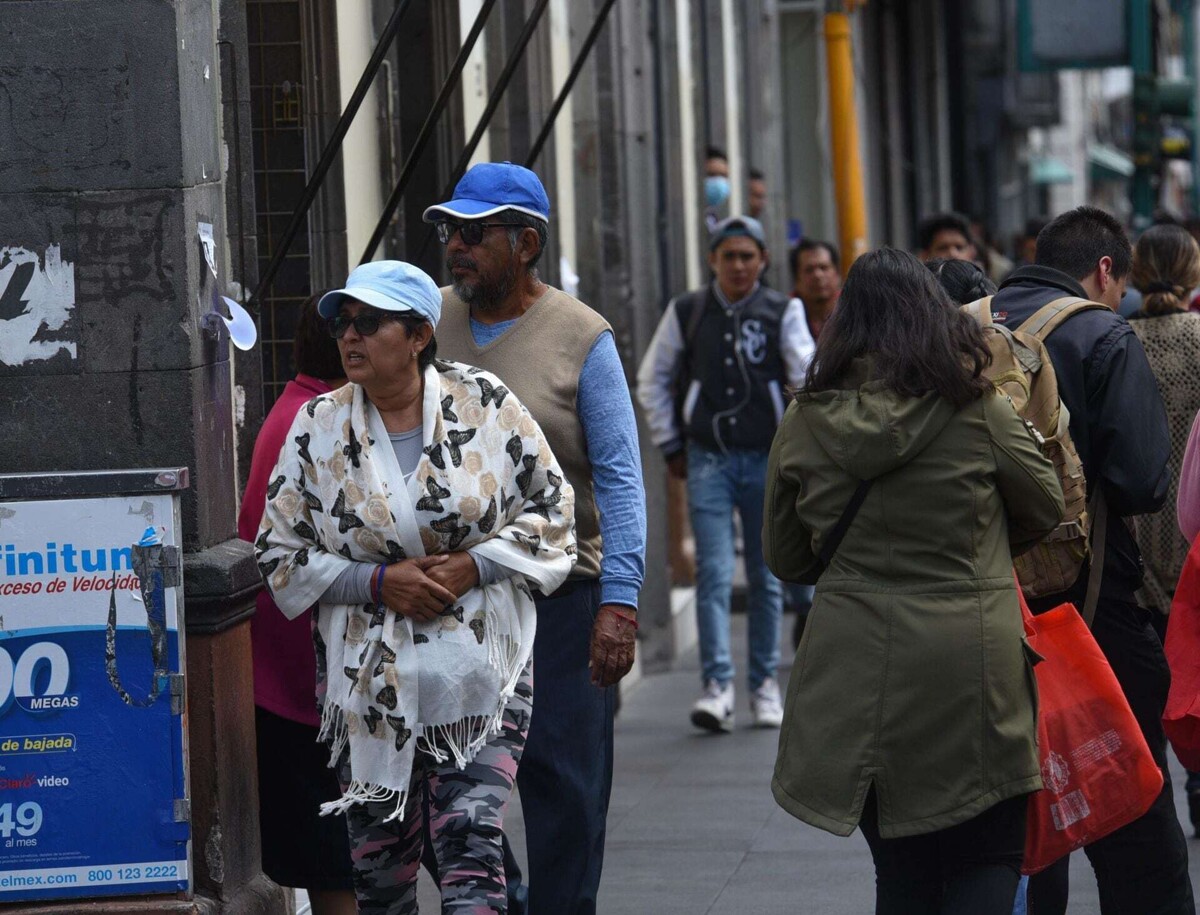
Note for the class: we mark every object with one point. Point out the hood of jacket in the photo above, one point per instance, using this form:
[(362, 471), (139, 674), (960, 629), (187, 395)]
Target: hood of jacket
[(868, 430)]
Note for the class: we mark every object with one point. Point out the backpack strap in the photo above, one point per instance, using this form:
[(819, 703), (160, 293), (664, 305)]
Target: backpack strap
[(698, 305), (1043, 322), (981, 310)]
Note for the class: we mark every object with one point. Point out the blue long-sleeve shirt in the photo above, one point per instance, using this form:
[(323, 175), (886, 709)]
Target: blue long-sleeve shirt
[(610, 429)]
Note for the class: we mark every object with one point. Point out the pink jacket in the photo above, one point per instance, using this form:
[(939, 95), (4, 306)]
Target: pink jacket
[(285, 664), (1188, 507)]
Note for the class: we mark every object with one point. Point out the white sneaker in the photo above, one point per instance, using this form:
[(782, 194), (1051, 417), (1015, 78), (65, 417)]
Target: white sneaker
[(714, 710), (766, 705)]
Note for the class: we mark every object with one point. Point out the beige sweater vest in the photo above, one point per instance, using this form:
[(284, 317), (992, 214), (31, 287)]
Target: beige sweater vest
[(540, 359)]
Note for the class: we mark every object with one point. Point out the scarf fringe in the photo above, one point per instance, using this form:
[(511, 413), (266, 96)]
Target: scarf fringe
[(365, 793), (462, 740), (334, 731)]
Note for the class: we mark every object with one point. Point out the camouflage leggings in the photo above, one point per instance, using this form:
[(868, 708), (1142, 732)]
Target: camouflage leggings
[(464, 810)]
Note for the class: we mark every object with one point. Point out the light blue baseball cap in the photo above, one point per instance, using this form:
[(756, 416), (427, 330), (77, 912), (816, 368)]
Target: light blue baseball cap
[(388, 286)]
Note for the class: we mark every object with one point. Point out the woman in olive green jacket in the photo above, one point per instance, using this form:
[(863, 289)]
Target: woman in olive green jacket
[(911, 706)]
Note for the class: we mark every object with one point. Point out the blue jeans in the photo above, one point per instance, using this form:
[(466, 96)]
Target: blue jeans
[(717, 485)]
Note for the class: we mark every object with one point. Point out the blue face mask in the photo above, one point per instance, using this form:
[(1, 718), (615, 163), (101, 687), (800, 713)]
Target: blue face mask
[(716, 190)]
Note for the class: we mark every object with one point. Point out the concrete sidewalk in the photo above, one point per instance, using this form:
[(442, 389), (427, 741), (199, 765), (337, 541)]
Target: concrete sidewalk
[(693, 828)]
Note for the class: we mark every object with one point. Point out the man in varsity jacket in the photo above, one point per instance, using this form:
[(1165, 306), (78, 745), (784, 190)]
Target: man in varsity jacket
[(712, 386)]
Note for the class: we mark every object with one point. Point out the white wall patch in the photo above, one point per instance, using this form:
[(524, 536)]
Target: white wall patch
[(37, 297)]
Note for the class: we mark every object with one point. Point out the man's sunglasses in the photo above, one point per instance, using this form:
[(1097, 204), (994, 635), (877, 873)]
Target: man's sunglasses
[(470, 232), (365, 323)]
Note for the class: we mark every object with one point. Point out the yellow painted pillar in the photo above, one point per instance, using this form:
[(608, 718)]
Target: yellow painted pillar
[(843, 127)]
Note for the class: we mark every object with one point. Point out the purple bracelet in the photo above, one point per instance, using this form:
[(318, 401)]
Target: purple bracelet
[(377, 585)]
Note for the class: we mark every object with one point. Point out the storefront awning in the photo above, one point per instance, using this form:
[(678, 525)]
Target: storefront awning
[(1049, 170), (1108, 163)]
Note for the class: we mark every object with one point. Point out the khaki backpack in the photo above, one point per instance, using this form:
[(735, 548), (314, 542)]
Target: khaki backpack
[(1022, 370)]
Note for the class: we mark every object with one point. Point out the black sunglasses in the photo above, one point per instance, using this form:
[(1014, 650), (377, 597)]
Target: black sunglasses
[(470, 232), (365, 323)]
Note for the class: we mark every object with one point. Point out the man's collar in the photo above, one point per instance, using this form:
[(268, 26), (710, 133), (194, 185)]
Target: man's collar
[(724, 300), (1044, 276)]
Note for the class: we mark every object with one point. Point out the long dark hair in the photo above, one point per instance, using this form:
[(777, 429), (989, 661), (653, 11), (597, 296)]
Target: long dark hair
[(893, 309)]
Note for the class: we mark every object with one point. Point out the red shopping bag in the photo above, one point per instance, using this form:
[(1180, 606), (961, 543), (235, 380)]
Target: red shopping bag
[(1181, 720), (1096, 767)]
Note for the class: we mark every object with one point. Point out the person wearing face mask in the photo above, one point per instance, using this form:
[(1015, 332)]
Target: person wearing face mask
[(712, 385), (716, 184)]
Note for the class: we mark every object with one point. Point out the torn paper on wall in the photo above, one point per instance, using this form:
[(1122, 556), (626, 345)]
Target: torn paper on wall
[(37, 298)]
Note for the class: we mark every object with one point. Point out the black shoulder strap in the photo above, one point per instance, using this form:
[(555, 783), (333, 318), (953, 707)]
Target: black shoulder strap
[(844, 522), (698, 304)]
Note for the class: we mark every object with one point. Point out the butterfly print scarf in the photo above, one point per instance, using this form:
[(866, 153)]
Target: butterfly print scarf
[(487, 481)]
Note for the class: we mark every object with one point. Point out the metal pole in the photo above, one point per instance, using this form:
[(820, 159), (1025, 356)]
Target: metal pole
[(843, 130), (705, 64), (662, 222), (506, 75), (1189, 22), (1141, 41), (584, 50), (426, 132), (332, 148)]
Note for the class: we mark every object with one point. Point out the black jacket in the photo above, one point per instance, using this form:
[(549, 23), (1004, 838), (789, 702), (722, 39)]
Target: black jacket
[(1118, 421), (733, 376)]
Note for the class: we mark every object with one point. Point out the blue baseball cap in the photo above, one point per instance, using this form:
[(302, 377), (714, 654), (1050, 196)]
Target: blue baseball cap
[(737, 226), (492, 187), (388, 286)]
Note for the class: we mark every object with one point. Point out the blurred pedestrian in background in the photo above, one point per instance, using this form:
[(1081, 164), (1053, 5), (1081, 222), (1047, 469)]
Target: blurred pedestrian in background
[(911, 705), (756, 194), (712, 385), (1166, 268), (946, 235), (716, 185), (300, 848), (1026, 243), (816, 282), (994, 264)]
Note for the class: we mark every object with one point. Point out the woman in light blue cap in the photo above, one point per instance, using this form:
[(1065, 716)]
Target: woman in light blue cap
[(417, 506)]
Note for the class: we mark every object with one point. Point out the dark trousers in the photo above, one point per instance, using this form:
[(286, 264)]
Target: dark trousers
[(1141, 869), (565, 775), (969, 869)]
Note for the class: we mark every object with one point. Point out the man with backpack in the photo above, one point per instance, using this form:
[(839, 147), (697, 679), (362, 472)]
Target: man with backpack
[(713, 387), (1119, 427)]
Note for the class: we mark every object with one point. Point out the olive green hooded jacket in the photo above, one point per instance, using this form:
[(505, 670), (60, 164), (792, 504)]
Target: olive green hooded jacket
[(913, 675)]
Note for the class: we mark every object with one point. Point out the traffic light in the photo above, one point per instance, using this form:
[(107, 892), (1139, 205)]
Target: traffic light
[(1162, 119)]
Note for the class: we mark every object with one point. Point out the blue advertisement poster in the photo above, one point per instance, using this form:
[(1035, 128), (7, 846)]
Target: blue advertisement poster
[(93, 784)]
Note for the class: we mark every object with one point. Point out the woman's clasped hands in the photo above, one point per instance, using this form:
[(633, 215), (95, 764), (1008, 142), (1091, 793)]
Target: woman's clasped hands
[(423, 587)]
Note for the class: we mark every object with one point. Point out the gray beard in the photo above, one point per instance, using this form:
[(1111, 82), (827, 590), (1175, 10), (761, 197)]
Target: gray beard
[(486, 296)]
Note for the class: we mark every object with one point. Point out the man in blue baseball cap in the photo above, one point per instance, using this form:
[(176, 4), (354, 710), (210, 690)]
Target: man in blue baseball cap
[(559, 357)]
